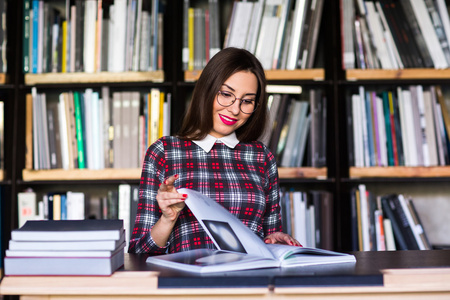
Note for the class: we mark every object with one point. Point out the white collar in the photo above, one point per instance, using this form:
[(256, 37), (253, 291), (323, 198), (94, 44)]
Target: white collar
[(208, 142)]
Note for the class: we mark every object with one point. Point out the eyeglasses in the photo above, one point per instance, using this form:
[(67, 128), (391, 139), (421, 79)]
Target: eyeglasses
[(247, 106)]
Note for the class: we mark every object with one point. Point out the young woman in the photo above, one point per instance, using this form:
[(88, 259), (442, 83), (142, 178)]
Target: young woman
[(217, 153)]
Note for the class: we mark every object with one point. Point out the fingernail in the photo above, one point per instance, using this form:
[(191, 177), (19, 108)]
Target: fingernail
[(176, 175), (185, 195), (165, 181)]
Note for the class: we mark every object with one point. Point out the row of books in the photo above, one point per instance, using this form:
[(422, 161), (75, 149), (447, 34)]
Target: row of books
[(387, 34), (308, 217), (282, 34), (94, 129), (92, 36), (3, 37), (297, 128), (406, 126), (120, 203), (66, 247), (387, 222)]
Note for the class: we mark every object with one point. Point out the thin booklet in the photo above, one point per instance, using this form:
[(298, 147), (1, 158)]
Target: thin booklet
[(238, 248)]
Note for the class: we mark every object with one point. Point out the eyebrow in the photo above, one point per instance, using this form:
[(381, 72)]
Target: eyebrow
[(254, 94)]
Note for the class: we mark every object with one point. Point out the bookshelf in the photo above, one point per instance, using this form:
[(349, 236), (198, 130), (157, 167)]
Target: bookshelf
[(337, 177)]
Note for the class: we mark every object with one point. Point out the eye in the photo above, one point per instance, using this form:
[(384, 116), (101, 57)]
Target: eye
[(248, 101), (226, 94)]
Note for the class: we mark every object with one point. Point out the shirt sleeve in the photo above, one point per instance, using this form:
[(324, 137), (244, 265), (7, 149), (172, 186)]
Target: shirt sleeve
[(148, 212), (272, 216)]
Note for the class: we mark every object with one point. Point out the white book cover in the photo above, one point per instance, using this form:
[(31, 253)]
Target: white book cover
[(378, 36), (357, 132), (26, 206), (409, 128), (445, 19), (134, 130), (365, 132), (253, 31), (238, 248), (430, 128), (290, 139), (299, 219), (267, 35), (347, 14), (125, 210), (63, 132), (118, 36), (296, 34), (389, 235), (403, 125), (365, 223), (439, 130), (284, 13), (90, 24), (431, 39), (423, 126), (391, 46), (88, 120), (75, 205), (240, 24)]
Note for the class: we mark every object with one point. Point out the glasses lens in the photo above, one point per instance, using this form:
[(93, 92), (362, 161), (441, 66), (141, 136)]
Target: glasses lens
[(247, 106), (225, 98)]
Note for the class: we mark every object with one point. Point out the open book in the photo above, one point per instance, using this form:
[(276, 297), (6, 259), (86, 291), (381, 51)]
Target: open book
[(238, 248)]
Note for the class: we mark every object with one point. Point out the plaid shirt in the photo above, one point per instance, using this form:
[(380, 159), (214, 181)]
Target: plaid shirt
[(244, 180)]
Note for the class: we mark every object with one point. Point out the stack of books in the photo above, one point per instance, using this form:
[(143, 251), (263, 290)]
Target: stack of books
[(66, 247)]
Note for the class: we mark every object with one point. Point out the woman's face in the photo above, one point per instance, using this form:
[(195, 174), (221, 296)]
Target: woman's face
[(243, 85)]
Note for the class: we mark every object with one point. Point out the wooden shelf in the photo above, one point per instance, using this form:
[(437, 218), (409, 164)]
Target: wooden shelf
[(81, 174), (3, 78), (307, 74), (400, 172), (378, 74), (135, 174), (318, 173), (104, 77)]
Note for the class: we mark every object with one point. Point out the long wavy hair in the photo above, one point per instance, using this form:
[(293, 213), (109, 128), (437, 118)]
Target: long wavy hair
[(198, 120)]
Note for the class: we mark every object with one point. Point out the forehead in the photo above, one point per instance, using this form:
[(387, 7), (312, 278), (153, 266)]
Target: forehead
[(242, 81)]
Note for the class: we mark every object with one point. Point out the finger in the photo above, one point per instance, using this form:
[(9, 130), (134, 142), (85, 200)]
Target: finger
[(168, 184), (167, 196)]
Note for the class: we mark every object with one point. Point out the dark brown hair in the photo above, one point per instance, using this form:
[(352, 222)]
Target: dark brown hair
[(198, 121)]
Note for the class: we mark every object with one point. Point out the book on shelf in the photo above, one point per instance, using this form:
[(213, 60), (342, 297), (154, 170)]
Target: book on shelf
[(403, 232), (75, 36), (407, 125), (242, 249)]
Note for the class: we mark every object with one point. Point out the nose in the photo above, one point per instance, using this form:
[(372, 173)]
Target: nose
[(235, 107)]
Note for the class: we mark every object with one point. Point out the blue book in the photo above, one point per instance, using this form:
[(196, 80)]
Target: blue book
[(35, 40), (369, 124), (387, 120)]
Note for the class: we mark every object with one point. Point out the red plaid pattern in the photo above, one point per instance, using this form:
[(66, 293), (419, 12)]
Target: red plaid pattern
[(244, 180)]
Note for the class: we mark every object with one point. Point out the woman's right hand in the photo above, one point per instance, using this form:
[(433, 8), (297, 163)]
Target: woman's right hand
[(169, 200)]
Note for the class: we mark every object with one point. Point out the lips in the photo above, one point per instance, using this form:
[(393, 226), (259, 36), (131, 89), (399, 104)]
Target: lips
[(227, 120)]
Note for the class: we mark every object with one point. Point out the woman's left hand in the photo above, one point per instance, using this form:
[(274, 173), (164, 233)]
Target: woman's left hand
[(281, 238)]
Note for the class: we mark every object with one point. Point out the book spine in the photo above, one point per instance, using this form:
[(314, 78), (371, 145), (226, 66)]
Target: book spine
[(79, 129)]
